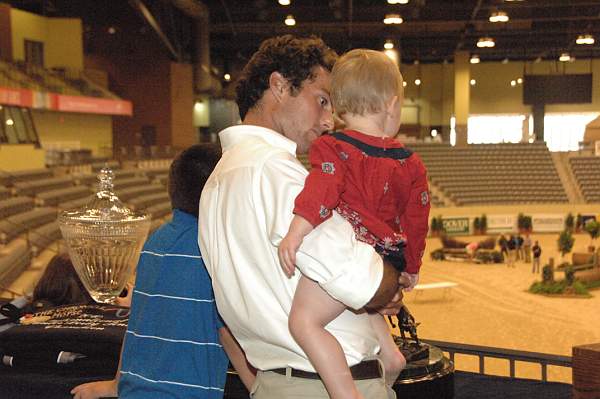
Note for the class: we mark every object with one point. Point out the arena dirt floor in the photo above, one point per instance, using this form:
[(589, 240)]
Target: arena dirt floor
[(491, 307)]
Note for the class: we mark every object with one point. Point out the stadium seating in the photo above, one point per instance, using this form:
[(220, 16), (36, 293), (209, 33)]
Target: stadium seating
[(15, 225), (42, 237), (35, 187), (493, 173), (15, 205), (8, 179), (61, 195), (587, 173), (13, 260)]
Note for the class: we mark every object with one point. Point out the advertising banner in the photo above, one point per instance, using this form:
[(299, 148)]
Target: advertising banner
[(58, 102), (456, 226), (548, 223), (501, 224), (16, 97)]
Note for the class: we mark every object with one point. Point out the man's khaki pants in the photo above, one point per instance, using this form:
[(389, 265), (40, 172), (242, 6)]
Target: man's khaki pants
[(269, 385)]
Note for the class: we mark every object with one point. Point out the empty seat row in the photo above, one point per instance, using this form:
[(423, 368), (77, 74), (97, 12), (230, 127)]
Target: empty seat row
[(12, 226), (54, 197), (32, 188), (8, 179), (41, 237), (13, 261), (129, 193), (14, 205), (4, 193), (149, 200)]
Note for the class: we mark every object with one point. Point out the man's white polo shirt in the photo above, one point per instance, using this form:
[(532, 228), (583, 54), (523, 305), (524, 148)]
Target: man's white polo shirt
[(245, 210)]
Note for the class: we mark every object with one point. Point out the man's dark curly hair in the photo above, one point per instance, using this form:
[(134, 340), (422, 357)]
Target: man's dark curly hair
[(294, 58), (188, 174)]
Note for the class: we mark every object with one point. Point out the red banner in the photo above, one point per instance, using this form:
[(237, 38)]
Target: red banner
[(57, 102), (92, 105), (16, 97)]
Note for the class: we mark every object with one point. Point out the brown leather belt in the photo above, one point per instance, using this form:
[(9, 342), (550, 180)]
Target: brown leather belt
[(366, 370)]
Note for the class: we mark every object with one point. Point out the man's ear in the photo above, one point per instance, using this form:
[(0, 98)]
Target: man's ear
[(278, 85)]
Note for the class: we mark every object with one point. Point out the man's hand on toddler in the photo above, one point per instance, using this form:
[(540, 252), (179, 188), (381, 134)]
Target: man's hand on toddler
[(413, 279)]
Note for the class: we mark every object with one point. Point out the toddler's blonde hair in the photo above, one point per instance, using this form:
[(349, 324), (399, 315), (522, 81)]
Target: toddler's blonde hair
[(363, 80)]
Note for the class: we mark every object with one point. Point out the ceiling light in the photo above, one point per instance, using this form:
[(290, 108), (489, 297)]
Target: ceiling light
[(585, 39), (519, 80), (227, 77), (388, 45), (9, 122), (472, 82), (284, 2), (513, 83), (112, 30), (397, 1), (499, 16), (290, 21), (474, 59), (418, 82), (392, 19), (404, 83), (393, 55), (564, 57), (486, 42)]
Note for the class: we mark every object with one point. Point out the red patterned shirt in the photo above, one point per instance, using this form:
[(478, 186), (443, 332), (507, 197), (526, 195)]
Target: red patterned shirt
[(376, 183)]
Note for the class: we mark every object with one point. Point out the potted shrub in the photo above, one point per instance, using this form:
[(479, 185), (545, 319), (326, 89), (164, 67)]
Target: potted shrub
[(437, 226), (578, 223), (483, 224), (476, 226), (592, 227), (565, 243), (524, 223), (570, 222)]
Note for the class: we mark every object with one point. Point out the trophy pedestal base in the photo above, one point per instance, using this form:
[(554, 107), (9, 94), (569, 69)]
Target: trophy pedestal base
[(430, 376)]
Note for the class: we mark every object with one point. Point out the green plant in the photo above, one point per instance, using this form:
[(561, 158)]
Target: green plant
[(437, 225), (524, 222), (569, 222), (578, 222), (592, 284), (476, 225), (579, 288), (547, 274), (565, 242), (570, 275), (592, 227), (483, 223)]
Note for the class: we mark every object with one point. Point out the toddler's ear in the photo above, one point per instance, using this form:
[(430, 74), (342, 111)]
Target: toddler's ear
[(391, 104)]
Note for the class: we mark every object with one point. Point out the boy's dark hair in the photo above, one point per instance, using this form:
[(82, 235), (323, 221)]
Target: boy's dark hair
[(188, 174), (294, 58), (60, 284)]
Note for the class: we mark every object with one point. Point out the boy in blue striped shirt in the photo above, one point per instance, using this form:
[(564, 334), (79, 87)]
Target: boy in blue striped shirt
[(176, 344)]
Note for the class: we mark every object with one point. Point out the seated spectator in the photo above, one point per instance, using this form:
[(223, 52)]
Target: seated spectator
[(59, 285)]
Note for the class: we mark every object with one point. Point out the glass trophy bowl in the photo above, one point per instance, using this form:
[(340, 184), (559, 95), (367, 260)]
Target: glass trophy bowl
[(104, 240)]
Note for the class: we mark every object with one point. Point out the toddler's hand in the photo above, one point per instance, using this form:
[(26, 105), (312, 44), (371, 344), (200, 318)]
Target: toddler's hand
[(287, 253)]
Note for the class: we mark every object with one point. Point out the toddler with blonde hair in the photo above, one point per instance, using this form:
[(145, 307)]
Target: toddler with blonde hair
[(379, 186)]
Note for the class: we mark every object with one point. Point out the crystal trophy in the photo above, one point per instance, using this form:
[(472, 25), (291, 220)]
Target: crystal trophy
[(104, 240)]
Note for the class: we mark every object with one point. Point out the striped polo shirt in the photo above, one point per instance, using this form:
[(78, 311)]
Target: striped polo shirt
[(172, 347)]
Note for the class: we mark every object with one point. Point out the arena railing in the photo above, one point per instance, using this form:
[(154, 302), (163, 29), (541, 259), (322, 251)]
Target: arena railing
[(482, 352)]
